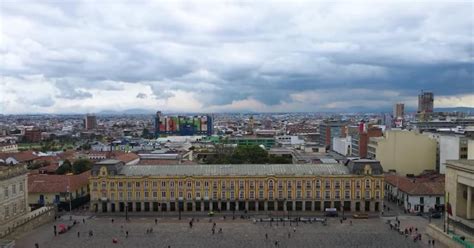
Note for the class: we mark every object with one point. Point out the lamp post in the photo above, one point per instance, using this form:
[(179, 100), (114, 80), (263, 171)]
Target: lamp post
[(126, 211), (70, 194), (180, 205)]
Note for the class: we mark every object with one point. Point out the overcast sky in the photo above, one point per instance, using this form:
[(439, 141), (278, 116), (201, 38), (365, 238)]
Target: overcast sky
[(234, 56)]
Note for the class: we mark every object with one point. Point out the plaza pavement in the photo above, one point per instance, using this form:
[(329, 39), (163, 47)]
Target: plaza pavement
[(171, 232)]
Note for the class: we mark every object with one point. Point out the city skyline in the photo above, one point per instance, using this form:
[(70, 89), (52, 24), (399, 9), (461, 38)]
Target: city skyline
[(234, 57)]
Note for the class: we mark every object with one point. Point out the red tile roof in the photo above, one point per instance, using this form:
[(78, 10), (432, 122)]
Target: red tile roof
[(433, 185), (45, 183), (125, 156), (21, 157)]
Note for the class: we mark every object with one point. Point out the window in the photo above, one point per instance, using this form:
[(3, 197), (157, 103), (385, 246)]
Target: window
[(280, 185), (252, 195), (298, 194), (358, 194), (206, 184), (367, 194), (214, 195), (172, 194), (270, 185), (367, 184), (172, 184), (318, 194), (260, 185), (112, 185), (232, 195), (241, 184), (270, 195), (328, 184), (318, 184), (163, 194), (94, 186), (120, 185), (7, 212), (112, 196), (188, 184), (377, 184), (252, 184), (377, 194), (198, 184), (146, 184), (21, 187), (120, 195), (288, 184), (137, 195), (232, 185), (129, 185), (308, 184), (155, 184), (180, 184), (337, 184), (163, 184), (348, 184), (198, 194), (104, 184), (422, 200), (155, 194), (337, 194), (280, 194), (214, 184), (289, 194), (137, 184), (347, 194), (308, 194), (146, 194), (358, 184), (180, 194), (260, 194), (189, 196), (241, 194), (327, 194), (223, 185), (129, 196), (298, 184), (223, 196)]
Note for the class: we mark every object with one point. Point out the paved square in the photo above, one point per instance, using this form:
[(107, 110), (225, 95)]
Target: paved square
[(170, 232)]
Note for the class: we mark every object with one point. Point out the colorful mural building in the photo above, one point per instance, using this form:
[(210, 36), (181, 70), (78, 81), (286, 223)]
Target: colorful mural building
[(182, 125)]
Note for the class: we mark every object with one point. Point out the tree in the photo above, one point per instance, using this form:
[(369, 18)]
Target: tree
[(65, 168), (81, 165)]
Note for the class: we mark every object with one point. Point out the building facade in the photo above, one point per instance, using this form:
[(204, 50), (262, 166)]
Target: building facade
[(399, 110), (330, 129), (404, 152), (183, 125), (425, 102), (460, 190), (13, 193), (90, 122), (251, 187), (360, 138)]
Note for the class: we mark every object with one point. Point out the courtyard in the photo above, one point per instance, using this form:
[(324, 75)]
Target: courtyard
[(171, 232)]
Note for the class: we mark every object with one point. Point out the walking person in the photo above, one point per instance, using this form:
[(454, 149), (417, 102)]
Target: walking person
[(266, 236), (126, 234), (78, 234), (156, 221)]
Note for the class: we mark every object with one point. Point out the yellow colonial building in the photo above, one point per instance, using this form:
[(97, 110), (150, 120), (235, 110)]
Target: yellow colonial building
[(116, 187)]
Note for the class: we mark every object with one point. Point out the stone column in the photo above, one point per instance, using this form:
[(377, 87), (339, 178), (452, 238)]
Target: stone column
[(256, 206), (312, 206), (265, 205), (303, 206), (362, 206), (247, 205), (353, 208), (194, 206), (134, 207), (236, 205), (210, 206), (227, 206), (293, 205), (202, 206), (469, 203), (284, 206)]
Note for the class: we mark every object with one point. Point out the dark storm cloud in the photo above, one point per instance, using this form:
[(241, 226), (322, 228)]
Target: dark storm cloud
[(228, 52)]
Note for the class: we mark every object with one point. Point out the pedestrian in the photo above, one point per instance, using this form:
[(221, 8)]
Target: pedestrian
[(112, 221), (429, 242), (350, 222), (78, 234), (294, 229), (83, 221), (37, 245), (416, 230), (156, 221), (433, 242), (214, 225), (266, 236), (126, 234), (340, 221), (213, 231), (220, 230), (289, 235)]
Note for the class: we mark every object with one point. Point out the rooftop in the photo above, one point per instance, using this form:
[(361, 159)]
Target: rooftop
[(44, 183), (236, 170), (417, 186), (467, 164)]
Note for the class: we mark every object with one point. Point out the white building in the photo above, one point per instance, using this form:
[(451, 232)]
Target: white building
[(289, 140), (13, 194), (416, 194), (342, 145)]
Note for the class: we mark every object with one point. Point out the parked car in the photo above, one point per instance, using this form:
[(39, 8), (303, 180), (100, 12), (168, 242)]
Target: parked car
[(436, 215), (360, 216)]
